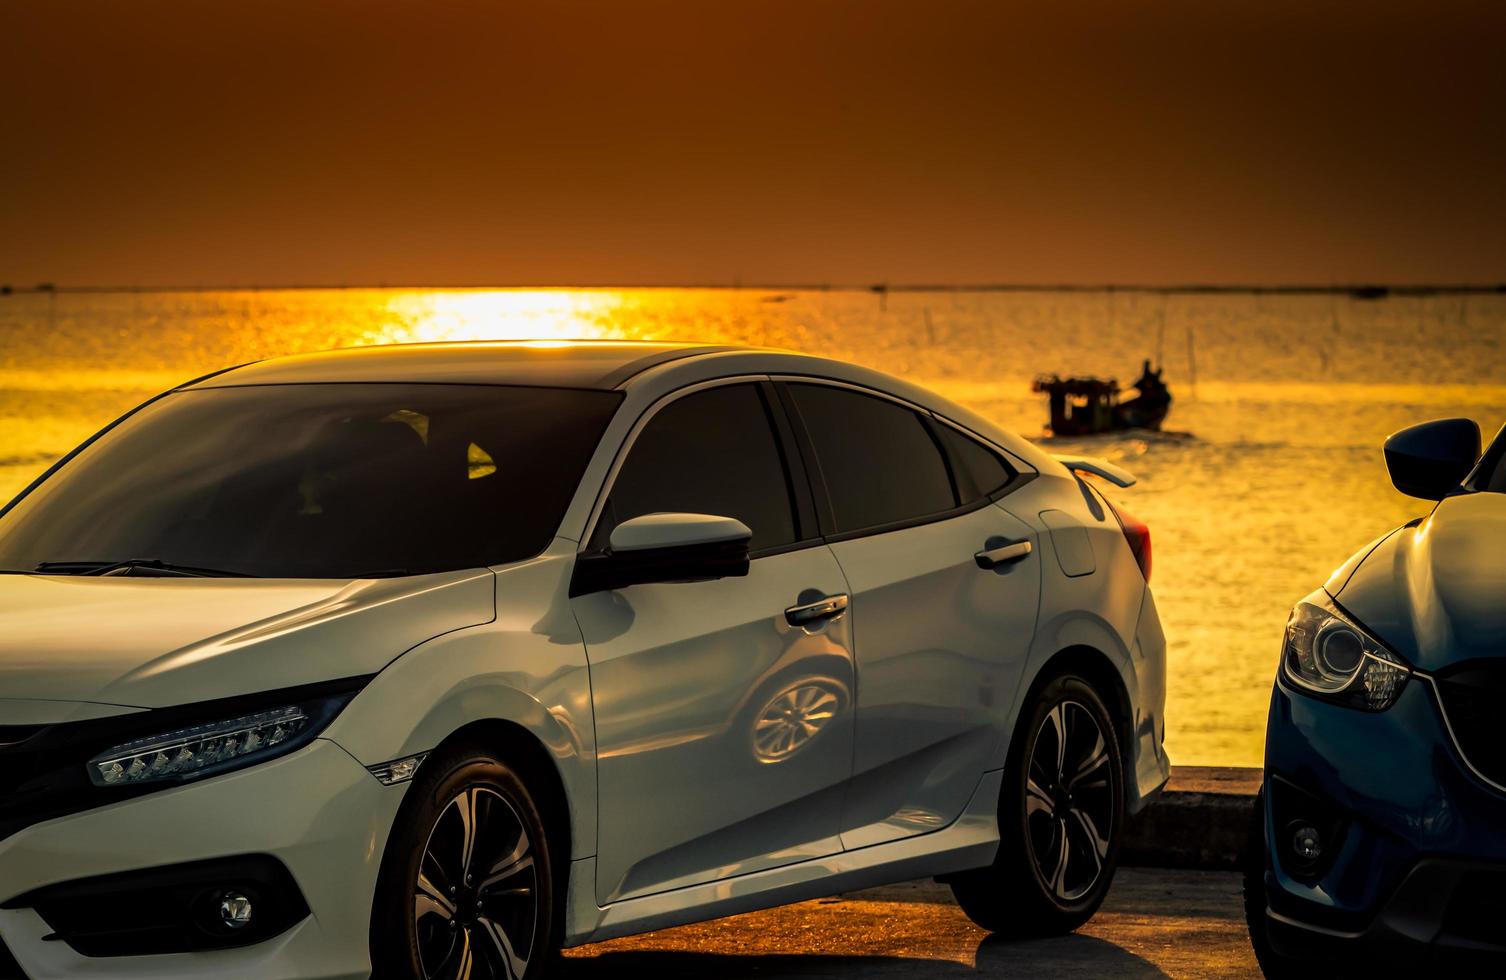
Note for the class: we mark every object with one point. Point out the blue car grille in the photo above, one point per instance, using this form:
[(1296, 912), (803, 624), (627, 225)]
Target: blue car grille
[(1472, 700)]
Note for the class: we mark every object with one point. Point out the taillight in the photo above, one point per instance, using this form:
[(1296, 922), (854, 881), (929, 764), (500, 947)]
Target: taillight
[(1137, 533)]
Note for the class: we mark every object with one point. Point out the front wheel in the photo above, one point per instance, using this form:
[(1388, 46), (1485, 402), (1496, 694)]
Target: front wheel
[(466, 889), (1061, 814)]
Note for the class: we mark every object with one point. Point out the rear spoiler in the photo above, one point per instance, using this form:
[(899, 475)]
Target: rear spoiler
[(1116, 475)]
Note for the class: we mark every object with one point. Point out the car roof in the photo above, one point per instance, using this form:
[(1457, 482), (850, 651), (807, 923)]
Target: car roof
[(601, 364), (653, 368)]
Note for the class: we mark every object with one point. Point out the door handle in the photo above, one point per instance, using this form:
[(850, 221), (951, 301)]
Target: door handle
[(994, 557), (826, 607)]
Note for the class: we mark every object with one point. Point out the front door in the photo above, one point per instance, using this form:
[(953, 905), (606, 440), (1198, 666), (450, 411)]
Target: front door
[(723, 723), (942, 640)]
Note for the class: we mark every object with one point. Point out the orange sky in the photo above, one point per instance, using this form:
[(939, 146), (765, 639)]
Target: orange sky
[(443, 142)]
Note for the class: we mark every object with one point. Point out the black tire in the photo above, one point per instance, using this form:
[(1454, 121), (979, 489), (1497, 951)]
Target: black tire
[(1056, 860), (1273, 964), (490, 900)]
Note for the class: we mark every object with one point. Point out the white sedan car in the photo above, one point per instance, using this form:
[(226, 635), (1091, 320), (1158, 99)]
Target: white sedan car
[(432, 659)]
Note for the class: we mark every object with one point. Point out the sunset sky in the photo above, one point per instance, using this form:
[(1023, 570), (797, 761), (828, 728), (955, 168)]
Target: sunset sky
[(947, 141)]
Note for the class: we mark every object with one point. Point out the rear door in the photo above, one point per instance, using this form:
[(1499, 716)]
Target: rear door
[(941, 641), (723, 729)]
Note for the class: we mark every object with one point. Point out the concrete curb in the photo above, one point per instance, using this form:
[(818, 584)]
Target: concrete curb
[(1199, 821)]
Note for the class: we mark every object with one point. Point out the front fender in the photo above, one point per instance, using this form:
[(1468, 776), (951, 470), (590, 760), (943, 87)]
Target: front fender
[(524, 669)]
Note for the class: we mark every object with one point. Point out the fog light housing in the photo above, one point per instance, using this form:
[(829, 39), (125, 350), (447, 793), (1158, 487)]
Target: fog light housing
[(221, 903), (1307, 843), (1307, 830), (235, 910)]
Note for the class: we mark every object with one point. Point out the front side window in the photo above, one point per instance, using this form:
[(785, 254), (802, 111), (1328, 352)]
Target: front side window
[(317, 481), (880, 462), (710, 452)]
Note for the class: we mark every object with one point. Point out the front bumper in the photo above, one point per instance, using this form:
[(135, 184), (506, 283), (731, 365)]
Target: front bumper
[(1444, 913), (1415, 868), (317, 811)]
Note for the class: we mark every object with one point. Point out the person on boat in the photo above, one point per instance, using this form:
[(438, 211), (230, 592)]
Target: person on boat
[(1148, 409)]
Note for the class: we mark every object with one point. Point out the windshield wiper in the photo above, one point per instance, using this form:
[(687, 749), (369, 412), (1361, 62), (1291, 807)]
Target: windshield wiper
[(148, 567)]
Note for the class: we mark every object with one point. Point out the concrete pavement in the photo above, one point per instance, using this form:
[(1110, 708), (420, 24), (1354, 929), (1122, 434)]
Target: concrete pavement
[(1155, 924)]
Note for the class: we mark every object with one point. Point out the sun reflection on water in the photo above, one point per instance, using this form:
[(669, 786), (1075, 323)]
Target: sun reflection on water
[(502, 314)]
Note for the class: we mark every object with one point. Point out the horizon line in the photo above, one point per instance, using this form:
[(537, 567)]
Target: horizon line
[(1361, 289)]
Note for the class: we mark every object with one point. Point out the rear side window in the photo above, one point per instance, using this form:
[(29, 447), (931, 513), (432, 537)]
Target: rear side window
[(979, 469), (712, 452), (879, 459)]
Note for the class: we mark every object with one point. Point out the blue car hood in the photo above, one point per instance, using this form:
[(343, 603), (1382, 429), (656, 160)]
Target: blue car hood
[(1436, 592)]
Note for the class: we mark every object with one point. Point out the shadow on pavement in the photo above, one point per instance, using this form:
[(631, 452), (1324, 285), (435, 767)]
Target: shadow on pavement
[(1041, 959)]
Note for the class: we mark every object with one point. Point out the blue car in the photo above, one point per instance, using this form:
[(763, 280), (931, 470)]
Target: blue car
[(1379, 837)]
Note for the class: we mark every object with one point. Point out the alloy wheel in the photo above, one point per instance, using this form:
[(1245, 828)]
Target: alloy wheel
[(1069, 805), (475, 905)]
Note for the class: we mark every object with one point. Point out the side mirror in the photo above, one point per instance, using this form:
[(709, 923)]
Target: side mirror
[(665, 548), (1430, 460)]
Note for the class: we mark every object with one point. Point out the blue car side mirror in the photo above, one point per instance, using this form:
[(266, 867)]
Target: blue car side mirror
[(1430, 460)]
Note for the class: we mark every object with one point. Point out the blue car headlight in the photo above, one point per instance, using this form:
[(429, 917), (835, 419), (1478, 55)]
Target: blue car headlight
[(214, 747), (1330, 656)]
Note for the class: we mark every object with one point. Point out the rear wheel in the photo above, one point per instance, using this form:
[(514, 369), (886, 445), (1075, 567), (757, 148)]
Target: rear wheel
[(466, 889), (1060, 818)]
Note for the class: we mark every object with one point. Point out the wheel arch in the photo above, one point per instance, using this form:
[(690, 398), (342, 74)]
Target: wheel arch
[(1099, 670), (517, 746)]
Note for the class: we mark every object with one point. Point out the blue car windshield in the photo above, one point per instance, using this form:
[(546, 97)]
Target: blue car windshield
[(316, 481), (1494, 477)]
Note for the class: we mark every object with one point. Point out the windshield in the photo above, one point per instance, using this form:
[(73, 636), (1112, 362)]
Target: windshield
[(1491, 475), (317, 481)]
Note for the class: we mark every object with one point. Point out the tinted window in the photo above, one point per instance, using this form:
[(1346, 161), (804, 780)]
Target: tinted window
[(712, 452), (879, 459), (319, 480), (979, 469), (1493, 467)]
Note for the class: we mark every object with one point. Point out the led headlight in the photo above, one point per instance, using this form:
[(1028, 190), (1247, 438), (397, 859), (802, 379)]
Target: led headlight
[(1327, 654), (215, 747)]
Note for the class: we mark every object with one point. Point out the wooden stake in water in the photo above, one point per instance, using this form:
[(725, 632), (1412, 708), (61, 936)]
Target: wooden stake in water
[(1191, 363), (1161, 335)]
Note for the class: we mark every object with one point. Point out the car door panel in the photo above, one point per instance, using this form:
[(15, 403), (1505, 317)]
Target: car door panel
[(682, 674), (945, 593), (941, 646), (724, 723)]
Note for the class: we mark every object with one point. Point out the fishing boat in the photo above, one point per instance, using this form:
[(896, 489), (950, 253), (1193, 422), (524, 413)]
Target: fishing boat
[(1085, 406)]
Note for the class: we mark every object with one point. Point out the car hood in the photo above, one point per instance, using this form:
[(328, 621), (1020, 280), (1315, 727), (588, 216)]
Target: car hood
[(155, 642), (1436, 591)]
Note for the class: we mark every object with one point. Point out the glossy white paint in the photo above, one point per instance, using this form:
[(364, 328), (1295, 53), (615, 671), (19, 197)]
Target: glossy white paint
[(329, 834), (652, 531), (1117, 475), (154, 642), (971, 841), (646, 699), (681, 674), (16, 711), (942, 645)]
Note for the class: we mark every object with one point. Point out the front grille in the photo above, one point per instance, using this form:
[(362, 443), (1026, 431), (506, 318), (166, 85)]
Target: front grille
[(1473, 697)]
